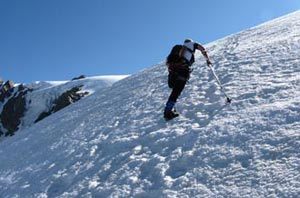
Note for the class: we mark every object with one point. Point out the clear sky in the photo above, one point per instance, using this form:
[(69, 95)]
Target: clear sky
[(60, 39)]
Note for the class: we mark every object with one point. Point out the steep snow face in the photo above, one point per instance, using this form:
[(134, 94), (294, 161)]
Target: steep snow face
[(44, 93), (115, 142)]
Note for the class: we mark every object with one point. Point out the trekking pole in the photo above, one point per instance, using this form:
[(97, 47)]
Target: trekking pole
[(228, 100)]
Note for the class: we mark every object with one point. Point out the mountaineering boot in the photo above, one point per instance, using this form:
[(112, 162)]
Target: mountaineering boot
[(168, 113)]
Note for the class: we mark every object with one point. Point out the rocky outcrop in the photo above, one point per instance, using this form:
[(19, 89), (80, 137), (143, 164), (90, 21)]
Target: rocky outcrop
[(13, 110), (14, 101), (67, 98), (79, 77), (6, 90)]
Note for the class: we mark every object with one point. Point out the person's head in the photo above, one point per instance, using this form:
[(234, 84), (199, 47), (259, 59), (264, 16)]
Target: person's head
[(188, 40)]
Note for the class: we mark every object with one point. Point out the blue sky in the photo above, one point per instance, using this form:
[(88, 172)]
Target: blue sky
[(60, 39)]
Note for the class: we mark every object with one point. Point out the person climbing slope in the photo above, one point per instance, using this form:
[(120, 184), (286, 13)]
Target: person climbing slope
[(179, 63)]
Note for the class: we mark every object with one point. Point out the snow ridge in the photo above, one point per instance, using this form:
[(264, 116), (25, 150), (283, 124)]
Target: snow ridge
[(115, 142)]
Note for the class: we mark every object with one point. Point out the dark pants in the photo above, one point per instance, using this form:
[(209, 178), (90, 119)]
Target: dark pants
[(177, 83)]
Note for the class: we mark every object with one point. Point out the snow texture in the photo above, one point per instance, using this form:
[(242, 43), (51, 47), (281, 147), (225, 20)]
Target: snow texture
[(115, 142)]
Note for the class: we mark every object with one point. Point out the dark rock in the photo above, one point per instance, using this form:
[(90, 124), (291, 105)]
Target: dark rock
[(1, 81), (9, 133), (79, 77), (6, 90), (64, 100), (68, 98), (21, 87), (9, 84), (42, 116), (13, 111)]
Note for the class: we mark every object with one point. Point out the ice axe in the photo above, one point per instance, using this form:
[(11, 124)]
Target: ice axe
[(228, 100)]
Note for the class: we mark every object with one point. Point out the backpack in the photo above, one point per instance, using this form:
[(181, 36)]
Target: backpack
[(174, 57)]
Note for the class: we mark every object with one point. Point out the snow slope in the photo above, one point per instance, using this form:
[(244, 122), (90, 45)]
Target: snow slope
[(44, 93), (115, 142)]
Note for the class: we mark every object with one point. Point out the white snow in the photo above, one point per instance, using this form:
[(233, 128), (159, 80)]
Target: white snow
[(44, 93), (115, 142)]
